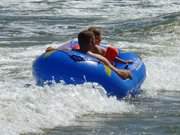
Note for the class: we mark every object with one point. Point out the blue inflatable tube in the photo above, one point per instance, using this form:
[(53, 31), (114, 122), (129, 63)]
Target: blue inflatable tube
[(76, 68)]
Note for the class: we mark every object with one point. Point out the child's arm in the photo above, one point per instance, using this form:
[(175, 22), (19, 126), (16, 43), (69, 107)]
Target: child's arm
[(50, 49), (122, 73), (123, 61)]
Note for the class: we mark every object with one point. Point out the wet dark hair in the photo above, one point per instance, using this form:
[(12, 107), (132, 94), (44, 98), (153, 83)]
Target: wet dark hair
[(84, 39), (95, 30)]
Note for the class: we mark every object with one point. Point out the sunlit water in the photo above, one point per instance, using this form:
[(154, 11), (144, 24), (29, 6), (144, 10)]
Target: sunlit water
[(149, 27)]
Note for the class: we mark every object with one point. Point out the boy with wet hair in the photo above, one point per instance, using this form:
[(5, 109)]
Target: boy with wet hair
[(97, 34), (86, 41), (111, 53)]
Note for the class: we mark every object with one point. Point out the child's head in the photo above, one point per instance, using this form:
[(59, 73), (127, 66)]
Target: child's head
[(86, 40), (97, 34)]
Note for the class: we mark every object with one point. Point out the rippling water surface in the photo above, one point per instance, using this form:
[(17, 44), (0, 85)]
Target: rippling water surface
[(149, 27)]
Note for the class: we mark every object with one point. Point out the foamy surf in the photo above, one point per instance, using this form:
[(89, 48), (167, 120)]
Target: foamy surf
[(29, 108)]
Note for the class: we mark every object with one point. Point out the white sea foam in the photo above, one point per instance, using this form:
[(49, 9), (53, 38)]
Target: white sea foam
[(30, 108), (162, 74)]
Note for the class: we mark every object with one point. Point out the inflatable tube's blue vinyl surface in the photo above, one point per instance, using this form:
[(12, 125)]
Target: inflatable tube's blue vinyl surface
[(76, 68)]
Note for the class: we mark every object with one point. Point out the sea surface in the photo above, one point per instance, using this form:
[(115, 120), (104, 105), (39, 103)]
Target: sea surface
[(150, 28)]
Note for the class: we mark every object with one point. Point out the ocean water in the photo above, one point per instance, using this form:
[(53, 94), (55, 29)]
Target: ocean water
[(150, 28)]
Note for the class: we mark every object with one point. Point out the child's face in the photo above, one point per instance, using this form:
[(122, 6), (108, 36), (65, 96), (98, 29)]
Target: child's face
[(98, 40)]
